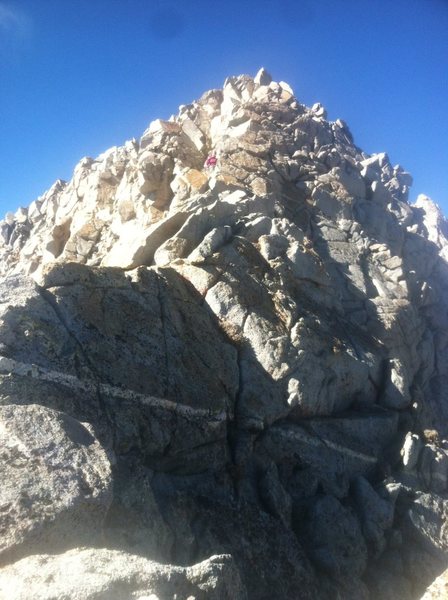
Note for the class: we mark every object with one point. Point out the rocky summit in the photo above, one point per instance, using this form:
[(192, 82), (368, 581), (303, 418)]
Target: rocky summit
[(223, 360)]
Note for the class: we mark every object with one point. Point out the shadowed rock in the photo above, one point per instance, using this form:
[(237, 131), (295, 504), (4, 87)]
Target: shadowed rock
[(260, 345)]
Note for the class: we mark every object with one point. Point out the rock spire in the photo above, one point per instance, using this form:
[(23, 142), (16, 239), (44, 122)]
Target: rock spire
[(227, 375)]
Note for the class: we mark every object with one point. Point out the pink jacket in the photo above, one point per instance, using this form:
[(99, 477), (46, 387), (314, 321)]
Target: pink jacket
[(211, 161)]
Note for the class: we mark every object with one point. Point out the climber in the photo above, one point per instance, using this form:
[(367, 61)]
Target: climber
[(211, 161)]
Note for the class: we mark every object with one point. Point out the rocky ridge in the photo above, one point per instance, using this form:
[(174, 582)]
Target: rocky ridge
[(240, 368)]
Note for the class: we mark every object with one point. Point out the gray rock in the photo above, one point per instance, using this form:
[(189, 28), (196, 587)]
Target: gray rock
[(86, 574), (427, 519), (268, 555), (211, 243), (86, 363), (369, 173), (352, 181), (65, 320), (335, 539), (376, 514), (273, 246), (246, 339), (56, 482), (274, 496), (336, 449)]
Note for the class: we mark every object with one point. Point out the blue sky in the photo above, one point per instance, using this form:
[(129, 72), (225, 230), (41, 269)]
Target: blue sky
[(78, 76)]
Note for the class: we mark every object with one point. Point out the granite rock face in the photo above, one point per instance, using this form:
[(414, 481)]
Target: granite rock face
[(89, 574), (252, 356), (56, 481)]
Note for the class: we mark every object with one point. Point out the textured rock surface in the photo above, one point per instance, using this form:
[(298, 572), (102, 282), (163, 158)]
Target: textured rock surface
[(56, 481), (260, 346), (91, 574), (438, 590)]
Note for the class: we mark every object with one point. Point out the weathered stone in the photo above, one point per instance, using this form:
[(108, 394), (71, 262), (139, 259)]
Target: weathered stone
[(143, 390), (274, 497), (427, 519), (334, 536), (56, 482), (86, 574), (336, 450), (252, 340), (376, 515), (136, 247), (211, 243)]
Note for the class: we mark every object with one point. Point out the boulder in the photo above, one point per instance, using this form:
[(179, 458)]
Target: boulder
[(88, 573), (57, 484)]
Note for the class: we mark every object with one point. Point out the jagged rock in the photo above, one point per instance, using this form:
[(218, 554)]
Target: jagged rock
[(427, 517), (252, 341), (77, 338), (262, 77), (86, 574)]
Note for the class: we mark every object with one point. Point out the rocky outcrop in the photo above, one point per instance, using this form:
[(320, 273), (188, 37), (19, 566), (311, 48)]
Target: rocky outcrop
[(256, 352), (56, 481), (88, 574)]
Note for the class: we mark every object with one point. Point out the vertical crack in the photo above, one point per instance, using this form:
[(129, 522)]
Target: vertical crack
[(165, 345), (236, 468), (49, 298)]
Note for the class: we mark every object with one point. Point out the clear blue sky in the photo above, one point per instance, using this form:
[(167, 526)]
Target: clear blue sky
[(79, 76)]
